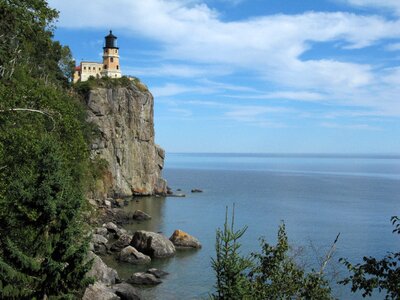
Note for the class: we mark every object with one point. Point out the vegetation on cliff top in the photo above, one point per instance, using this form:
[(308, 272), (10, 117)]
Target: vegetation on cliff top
[(43, 159)]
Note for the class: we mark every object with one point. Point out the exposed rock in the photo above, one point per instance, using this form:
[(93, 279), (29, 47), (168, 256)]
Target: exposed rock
[(176, 195), (124, 117), (100, 271), (182, 239), (142, 278), (140, 216), (119, 202), (125, 291), (131, 255), (123, 241), (101, 231), (111, 227), (99, 291), (153, 244), (107, 203), (197, 191), (99, 244), (156, 272)]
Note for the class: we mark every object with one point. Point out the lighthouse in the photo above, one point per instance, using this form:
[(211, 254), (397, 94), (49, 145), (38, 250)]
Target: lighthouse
[(111, 67)]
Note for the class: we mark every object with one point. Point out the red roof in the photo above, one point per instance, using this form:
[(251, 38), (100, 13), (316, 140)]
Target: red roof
[(77, 68)]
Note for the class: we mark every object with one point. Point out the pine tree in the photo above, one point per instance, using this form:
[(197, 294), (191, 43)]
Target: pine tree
[(43, 159)]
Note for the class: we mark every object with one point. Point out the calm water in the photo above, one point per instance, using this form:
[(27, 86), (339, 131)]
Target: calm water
[(316, 196)]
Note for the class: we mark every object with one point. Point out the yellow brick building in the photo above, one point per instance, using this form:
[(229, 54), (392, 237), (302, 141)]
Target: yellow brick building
[(110, 66)]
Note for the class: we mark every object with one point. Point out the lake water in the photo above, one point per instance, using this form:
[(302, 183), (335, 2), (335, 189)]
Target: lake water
[(317, 196)]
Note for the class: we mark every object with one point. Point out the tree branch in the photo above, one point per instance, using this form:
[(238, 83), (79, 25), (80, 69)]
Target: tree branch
[(31, 110)]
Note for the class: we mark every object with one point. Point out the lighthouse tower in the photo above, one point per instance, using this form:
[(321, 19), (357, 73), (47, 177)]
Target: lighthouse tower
[(111, 67)]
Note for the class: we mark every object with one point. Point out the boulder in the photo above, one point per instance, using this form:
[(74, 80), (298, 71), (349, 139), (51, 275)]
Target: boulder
[(123, 241), (99, 291), (142, 278), (99, 244), (140, 216), (156, 272), (196, 191), (102, 231), (177, 195), (131, 255), (119, 202), (125, 291), (100, 271), (153, 244), (182, 239), (111, 227)]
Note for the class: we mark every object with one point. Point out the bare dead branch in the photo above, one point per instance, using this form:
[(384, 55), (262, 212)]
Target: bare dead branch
[(33, 111), (329, 255)]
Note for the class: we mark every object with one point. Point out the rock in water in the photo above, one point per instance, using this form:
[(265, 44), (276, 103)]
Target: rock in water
[(197, 191), (142, 278), (126, 292), (156, 272), (99, 291), (131, 255), (182, 239), (153, 244), (100, 271), (99, 244), (123, 241), (124, 117), (140, 216)]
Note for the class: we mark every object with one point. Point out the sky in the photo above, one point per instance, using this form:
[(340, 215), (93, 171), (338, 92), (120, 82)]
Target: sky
[(255, 76)]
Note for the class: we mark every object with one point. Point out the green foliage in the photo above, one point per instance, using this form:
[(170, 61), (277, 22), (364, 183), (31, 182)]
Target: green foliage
[(277, 276), (43, 159), (271, 274), (383, 274), (229, 266), (83, 87)]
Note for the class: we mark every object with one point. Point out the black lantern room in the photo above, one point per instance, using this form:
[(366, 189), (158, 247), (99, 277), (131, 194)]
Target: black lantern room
[(111, 41)]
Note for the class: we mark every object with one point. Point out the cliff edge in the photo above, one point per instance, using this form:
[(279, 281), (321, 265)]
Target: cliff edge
[(124, 117)]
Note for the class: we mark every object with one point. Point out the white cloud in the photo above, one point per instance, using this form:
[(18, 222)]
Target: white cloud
[(391, 5), (349, 126), (269, 46), (393, 47)]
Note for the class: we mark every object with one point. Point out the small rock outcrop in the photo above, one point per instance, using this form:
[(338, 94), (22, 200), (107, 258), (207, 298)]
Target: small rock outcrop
[(123, 241), (99, 291), (156, 272), (182, 239), (124, 118), (142, 278), (139, 215), (153, 244), (125, 291), (131, 255), (99, 244), (100, 271)]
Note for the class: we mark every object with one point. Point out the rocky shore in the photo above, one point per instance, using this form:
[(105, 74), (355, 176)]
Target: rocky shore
[(136, 248)]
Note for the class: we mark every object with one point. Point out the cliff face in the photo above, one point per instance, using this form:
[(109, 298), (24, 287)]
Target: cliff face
[(124, 116)]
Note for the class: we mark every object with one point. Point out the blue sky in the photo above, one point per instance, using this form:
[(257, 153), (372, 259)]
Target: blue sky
[(282, 76)]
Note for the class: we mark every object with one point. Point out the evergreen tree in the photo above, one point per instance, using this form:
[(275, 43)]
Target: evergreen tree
[(43, 159), (271, 274)]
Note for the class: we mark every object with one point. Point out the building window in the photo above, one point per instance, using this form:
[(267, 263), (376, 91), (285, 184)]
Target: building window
[(105, 66), (117, 67), (112, 59), (99, 69), (84, 68), (89, 68), (116, 51)]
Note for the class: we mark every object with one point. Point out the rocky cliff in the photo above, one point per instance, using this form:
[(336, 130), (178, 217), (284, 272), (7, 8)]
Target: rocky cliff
[(124, 117)]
